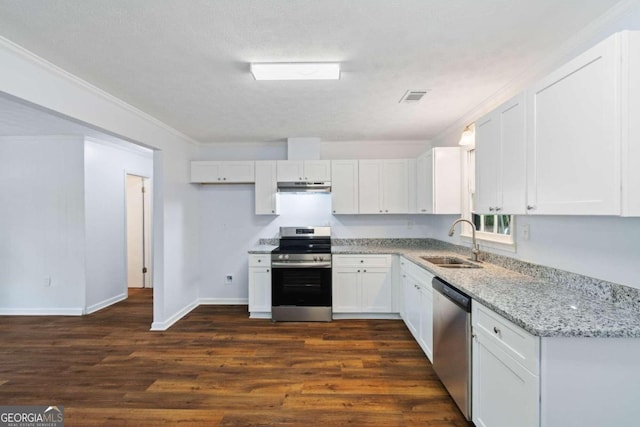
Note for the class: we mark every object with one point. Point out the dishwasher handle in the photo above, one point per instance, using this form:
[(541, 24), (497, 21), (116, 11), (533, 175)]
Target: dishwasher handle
[(454, 295)]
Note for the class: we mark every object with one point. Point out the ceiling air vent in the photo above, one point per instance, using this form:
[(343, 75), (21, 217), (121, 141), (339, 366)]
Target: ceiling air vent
[(413, 95)]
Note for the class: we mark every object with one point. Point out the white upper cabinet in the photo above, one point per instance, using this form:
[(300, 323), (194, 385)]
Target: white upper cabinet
[(304, 170), (438, 181), (344, 186), (222, 172), (574, 145), (266, 188), (630, 41), (384, 186), (501, 159)]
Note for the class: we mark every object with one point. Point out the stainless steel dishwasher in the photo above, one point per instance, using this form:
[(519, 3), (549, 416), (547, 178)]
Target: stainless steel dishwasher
[(452, 342)]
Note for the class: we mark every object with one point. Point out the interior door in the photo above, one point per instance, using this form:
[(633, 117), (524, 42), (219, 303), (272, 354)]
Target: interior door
[(138, 232)]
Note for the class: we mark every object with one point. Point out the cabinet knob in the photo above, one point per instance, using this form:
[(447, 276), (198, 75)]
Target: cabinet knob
[(358, 271), (224, 178), (361, 260), (491, 209), (334, 211), (364, 271), (496, 330), (530, 207), (380, 211), (218, 178), (423, 210), (259, 260), (272, 211), (386, 210), (498, 209), (267, 270)]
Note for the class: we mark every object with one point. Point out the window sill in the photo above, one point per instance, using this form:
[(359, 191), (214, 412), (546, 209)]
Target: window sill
[(493, 241)]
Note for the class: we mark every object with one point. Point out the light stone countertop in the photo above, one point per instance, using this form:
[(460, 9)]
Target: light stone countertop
[(542, 307)]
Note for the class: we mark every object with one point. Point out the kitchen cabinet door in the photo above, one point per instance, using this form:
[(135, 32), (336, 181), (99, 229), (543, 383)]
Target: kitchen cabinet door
[(346, 290), (487, 160), (317, 170), (376, 296), (304, 170), (259, 286), (425, 337), (362, 284), (501, 159), (266, 200), (290, 170), (370, 186), (411, 297), (395, 186), (222, 172), (384, 186), (505, 394), (574, 136), (344, 186), (260, 290), (438, 181), (630, 41)]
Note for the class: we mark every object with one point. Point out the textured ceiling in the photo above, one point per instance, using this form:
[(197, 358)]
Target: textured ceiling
[(186, 62)]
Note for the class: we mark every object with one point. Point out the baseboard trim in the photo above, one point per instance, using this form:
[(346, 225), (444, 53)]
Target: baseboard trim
[(106, 303), (383, 316), (223, 301), (163, 326), (71, 311)]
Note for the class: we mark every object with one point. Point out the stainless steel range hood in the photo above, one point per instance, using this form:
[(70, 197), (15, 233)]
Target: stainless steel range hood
[(304, 187)]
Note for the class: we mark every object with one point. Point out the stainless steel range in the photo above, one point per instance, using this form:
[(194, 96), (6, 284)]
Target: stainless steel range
[(301, 275)]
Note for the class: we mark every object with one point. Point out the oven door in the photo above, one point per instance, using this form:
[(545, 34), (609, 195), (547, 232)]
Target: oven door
[(300, 286)]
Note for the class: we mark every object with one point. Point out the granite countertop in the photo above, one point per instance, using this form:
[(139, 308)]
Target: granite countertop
[(542, 307)]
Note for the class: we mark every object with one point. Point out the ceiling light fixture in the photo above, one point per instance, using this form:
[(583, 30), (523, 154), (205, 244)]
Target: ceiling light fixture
[(295, 70), (468, 136)]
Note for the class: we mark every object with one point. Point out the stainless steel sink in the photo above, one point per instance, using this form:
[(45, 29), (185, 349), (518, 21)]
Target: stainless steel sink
[(450, 262)]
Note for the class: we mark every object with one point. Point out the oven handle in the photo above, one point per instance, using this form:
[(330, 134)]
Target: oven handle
[(300, 264)]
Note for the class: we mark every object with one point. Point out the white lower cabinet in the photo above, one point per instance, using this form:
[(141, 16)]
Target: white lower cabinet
[(362, 284), (506, 381), (417, 310), (260, 286)]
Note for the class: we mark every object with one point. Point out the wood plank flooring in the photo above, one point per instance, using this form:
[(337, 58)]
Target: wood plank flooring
[(217, 367)]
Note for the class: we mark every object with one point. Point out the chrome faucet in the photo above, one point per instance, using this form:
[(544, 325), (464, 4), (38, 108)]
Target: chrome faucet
[(475, 250)]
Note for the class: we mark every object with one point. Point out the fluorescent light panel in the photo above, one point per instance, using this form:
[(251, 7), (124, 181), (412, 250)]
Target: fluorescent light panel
[(296, 70)]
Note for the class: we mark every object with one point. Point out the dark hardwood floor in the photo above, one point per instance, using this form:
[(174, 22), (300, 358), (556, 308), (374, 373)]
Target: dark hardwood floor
[(216, 367)]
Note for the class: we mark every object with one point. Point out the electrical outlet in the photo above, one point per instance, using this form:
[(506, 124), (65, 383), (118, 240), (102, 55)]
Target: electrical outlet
[(46, 281), (228, 279), (526, 232)]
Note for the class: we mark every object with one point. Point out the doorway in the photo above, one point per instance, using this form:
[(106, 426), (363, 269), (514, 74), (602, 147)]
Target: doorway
[(138, 207)]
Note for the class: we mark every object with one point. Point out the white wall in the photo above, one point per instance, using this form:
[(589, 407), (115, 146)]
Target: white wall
[(105, 168), (607, 248), (175, 231), (42, 225)]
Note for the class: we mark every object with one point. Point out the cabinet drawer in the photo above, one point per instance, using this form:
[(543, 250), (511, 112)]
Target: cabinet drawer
[(512, 339), (362, 261), (260, 260)]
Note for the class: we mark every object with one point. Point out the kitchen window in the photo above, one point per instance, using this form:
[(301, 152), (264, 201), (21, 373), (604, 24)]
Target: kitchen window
[(494, 231)]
